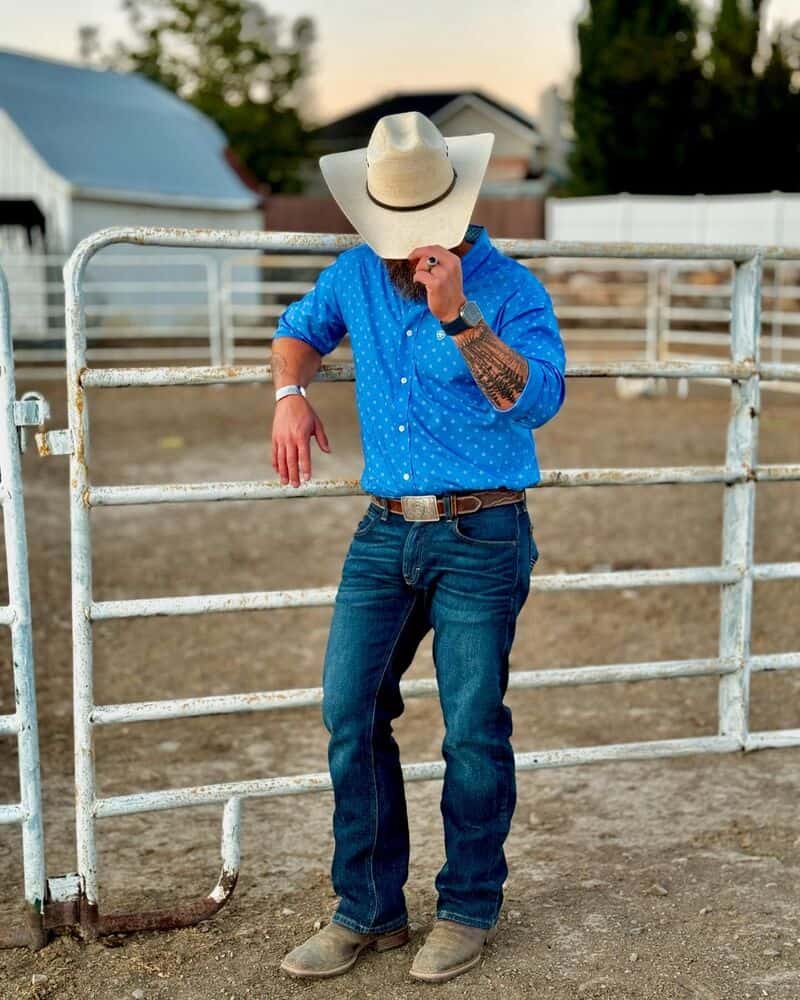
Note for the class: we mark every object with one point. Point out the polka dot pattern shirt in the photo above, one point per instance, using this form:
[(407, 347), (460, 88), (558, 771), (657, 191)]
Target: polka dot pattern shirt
[(426, 426)]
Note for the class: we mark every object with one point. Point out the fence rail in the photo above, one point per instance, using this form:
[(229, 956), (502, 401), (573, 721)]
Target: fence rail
[(154, 308), (735, 575)]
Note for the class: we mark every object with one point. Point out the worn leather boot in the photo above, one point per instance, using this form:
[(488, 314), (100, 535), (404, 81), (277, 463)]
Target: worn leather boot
[(450, 949), (335, 949)]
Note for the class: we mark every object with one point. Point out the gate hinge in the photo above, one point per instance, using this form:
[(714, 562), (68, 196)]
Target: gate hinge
[(63, 907), (55, 442)]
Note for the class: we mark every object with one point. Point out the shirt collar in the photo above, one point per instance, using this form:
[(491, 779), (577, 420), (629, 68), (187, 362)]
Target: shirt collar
[(477, 254)]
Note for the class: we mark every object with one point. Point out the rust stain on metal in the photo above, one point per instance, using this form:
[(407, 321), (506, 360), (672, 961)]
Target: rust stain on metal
[(42, 444), (170, 919)]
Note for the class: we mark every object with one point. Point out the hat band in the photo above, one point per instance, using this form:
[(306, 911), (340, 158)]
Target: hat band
[(413, 208)]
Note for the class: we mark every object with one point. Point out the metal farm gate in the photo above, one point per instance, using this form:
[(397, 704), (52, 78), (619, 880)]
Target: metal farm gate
[(27, 812), (80, 899)]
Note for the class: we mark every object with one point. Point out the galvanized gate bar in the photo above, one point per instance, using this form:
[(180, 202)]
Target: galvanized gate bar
[(28, 812), (177, 798), (110, 496), (119, 378), (260, 701), (313, 597), (735, 576), (739, 503)]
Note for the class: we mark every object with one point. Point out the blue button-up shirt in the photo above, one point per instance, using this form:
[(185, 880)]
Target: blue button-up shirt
[(426, 426)]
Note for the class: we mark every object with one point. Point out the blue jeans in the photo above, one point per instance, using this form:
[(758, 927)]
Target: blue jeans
[(466, 577)]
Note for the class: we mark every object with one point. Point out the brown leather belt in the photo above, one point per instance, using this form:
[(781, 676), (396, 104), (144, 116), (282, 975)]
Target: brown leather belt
[(431, 507)]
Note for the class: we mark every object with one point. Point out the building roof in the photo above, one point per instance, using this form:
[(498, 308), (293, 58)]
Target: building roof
[(118, 133), (359, 124)]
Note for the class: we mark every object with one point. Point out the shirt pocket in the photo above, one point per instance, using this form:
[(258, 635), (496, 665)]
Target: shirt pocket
[(442, 369)]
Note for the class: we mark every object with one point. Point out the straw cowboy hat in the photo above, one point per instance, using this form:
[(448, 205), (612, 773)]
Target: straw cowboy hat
[(410, 186)]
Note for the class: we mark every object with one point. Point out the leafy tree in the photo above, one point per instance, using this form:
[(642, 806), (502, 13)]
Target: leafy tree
[(635, 98), (226, 57)]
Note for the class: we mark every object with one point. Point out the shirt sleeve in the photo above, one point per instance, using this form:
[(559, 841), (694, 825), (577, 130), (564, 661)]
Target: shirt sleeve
[(528, 324), (316, 317)]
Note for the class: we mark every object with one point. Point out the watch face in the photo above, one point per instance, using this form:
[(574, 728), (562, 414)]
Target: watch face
[(471, 313)]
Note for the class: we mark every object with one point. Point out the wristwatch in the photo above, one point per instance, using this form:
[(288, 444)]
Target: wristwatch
[(289, 390), (468, 315)]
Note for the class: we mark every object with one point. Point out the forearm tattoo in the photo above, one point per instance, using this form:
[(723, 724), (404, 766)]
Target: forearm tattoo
[(277, 364), (500, 371)]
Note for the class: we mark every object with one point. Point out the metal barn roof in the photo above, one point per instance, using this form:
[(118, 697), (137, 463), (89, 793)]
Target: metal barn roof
[(118, 132)]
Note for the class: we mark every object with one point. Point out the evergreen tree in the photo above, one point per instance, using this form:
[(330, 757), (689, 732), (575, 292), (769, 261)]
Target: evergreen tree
[(750, 118), (635, 98), (778, 122), (652, 116)]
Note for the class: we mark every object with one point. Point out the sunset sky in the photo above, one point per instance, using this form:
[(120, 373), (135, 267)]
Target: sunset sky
[(512, 49)]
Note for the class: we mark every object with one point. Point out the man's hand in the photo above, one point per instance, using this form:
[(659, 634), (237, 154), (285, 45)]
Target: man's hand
[(443, 282), (293, 424)]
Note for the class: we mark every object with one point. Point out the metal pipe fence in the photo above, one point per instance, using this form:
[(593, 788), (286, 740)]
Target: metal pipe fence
[(191, 308), (16, 615), (735, 576)]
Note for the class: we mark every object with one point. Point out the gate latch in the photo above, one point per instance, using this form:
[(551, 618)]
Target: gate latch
[(55, 442), (30, 411)]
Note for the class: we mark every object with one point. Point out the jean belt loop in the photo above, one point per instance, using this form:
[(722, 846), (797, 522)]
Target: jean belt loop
[(385, 511), (449, 505)]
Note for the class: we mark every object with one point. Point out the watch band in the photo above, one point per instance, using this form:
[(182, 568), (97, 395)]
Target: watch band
[(469, 315), (456, 325), (289, 390)]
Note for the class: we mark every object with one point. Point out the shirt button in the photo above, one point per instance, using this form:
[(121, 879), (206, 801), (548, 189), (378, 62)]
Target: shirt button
[(404, 380), (401, 427), (406, 475), (409, 332)]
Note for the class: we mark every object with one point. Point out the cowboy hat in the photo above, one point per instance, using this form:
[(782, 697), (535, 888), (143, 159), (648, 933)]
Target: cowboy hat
[(410, 186)]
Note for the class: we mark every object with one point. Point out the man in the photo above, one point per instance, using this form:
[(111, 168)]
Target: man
[(457, 358)]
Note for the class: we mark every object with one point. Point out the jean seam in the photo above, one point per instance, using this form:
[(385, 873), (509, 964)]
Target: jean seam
[(460, 918), (354, 925), (509, 618), (370, 524), (454, 527), (372, 751)]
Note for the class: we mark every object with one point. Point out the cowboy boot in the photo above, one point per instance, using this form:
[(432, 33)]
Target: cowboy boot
[(335, 949), (450, 949)]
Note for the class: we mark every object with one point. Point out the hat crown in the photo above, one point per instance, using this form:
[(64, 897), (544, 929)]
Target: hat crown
[(407, 162)]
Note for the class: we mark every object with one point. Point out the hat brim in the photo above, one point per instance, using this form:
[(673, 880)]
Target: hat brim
[(394, 234)]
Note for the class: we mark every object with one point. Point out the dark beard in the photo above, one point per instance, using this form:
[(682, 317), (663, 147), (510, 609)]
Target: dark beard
[(401, 274)]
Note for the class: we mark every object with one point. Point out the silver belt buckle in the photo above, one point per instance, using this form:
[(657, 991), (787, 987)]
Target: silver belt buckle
[(422, 508)]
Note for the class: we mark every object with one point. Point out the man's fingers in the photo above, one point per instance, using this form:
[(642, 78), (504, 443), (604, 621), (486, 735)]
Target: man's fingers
[(424, 278), (282, 470), (291, 463), (434, 250), (304, 456), (321, 436)]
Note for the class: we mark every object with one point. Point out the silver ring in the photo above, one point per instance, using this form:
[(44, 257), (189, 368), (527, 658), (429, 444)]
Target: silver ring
[(431, 262)]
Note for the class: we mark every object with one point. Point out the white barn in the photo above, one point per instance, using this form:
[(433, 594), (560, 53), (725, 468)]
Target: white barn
[(94, 148), (82, 149)]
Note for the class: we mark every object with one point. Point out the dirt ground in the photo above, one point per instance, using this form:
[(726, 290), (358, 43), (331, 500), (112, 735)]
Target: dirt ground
[(669, 879)]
